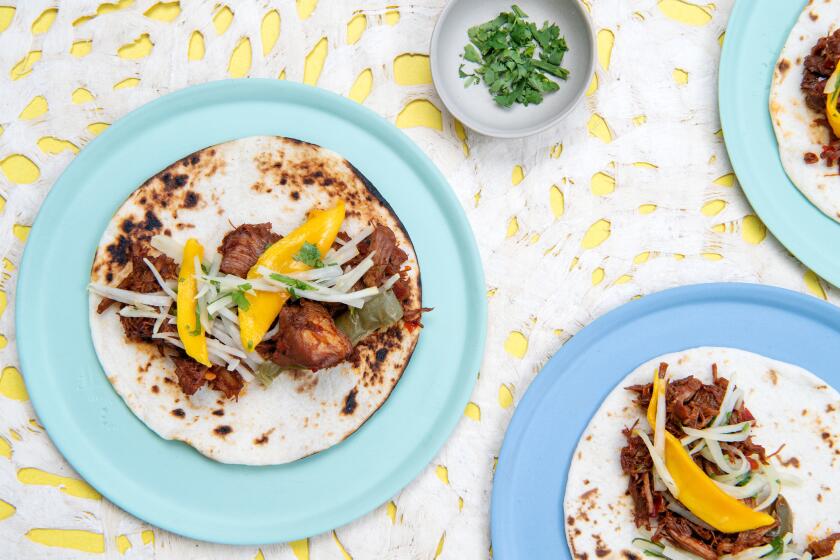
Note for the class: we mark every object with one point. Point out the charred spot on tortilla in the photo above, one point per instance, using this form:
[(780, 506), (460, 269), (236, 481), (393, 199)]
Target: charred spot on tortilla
[(155, 389), (218, 412), (381, 354), (222, 430), (109, 276), (190, 199), (178, 412), (263, 439), (350, 401), (784, 66), (120, 250), (295, 195)]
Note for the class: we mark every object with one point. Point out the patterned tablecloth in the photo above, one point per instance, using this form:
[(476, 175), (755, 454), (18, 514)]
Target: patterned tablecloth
[(631, 194)]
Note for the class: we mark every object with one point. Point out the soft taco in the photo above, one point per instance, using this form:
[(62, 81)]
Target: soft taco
[(258, 300), (804, 98), (709, 453)]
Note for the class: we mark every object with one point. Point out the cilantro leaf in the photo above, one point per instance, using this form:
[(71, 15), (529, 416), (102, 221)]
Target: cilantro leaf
[(514, 58), (309, 255), (197, 330), (292, 283), (238, 297)]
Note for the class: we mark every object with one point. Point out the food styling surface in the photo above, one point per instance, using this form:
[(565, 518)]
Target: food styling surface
[(607, 205)]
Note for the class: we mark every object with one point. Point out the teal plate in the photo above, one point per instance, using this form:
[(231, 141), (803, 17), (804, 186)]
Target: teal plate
[(756, 33), (168, 483)]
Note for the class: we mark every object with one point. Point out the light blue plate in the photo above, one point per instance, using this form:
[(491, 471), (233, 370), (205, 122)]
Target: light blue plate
[(168, 483), (527, 505), (756, 33)]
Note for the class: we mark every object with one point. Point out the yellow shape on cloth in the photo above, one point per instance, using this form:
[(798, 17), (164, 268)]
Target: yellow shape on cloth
[(412, 69), (195, 50), (710, 256), (461, 133), (24, 65), (813, 284), (127, 83), (392, 15), (164, 11), (148, 537), (517, 175), (391, 510), (598, 128), (602, 184), (472, 411), (505, 396), (5, 448), (443, 474), (356, 28), (341, 548), (439, 549), (81, 48), (623, 279), (72, 486), (3, 302), (141, 47), (43, 22), (260, 555), (420, 112), (240, 59), (598, 276), (222, 19), (306, 7), (362, 86), (123, 544), (639, 120), (713, 207), (686, 12), (753, 229), (52, 145), (300, 549), (516, 344), (606, 41), (721, 37), (593, 85), (680, 76), (6, 510), (270, 31), (85, 541), (512, 227), (37, 107), (97, 128), (596, 234), (105, 8), (556, 151), (725, 180), (19, 169), (7, 13), (20, 231), (81, 96), (647, 209), (314, 63), (556, 201)]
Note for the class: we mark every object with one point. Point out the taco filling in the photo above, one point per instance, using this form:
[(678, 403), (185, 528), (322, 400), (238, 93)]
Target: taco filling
[(700, 485), (262, 304), (821, 87)]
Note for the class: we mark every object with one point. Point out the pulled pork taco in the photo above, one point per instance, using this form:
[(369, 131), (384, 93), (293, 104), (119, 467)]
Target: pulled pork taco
[(804, 98), (258, 300), (710, 453)]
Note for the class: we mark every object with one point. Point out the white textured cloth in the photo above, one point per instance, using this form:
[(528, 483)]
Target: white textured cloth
[(631, 194)]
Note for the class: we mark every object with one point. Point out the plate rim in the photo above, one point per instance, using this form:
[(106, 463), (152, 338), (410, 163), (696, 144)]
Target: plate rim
[(401, 472), (505, 544)]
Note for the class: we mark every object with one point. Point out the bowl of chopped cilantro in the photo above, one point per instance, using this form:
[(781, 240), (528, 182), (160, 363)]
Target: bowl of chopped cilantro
[(512, 69)]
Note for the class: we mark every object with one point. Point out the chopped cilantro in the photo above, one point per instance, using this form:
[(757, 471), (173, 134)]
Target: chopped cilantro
[(309, 255), (238, 297), (197, 330), (504, 49), (291, 282)]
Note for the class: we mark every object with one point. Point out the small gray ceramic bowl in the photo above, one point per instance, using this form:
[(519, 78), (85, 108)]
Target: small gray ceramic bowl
[(474, 106)]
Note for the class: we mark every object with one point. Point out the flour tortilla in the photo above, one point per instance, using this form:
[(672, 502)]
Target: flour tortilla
[(792, 407), (793, 120), (248, 181)]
